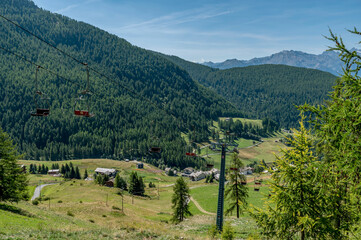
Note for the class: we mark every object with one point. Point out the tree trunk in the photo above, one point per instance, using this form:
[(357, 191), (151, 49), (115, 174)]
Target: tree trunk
[(237, 196), (303, 235)]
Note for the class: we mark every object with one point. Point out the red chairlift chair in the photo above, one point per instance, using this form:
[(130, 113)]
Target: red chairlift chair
[(155, 150), (191, 154), (210, 165), (41, 100), (83, 109)]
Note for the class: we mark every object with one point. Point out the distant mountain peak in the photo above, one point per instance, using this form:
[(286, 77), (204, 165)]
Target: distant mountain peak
[(326, 61)]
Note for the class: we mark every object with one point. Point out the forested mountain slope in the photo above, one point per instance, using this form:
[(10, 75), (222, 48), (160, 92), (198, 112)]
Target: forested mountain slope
[(126, 123), (265, 90)]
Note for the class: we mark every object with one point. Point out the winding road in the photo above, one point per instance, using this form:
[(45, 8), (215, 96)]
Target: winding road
[(38, 190)]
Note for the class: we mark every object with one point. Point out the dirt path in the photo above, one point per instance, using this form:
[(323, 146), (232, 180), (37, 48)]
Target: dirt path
[(38, 190), (200, 208)]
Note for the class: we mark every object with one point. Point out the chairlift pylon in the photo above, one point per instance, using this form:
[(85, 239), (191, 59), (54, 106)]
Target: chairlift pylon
[(82, 103), (41, 100)]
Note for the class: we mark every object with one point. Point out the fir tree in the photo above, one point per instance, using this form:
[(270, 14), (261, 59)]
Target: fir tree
[(72, 173), (77, 173), (337, 130), (13, 182), (236, 193), (62, 169), (180, 200), (295, 202)]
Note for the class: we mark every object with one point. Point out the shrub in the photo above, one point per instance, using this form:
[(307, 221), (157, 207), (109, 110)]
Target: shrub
[(70, 214), (60, 201), (91, 220), (228, 232), (35, 202), (213, 232), (115, 208)]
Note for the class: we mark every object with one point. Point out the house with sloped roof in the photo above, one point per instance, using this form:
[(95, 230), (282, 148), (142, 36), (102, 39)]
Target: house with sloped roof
[(196, 176), (106, 171)]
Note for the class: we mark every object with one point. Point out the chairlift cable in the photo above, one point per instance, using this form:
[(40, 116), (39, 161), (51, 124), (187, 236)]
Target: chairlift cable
[(39, 66), (41, 39), (94, 70)]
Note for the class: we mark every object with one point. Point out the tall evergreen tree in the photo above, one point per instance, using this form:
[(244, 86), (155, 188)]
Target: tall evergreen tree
[(72, 173), (337, 128), (132, 182), (141, 189), (77, 173), (13, 181), (62, 169), (236, 193), (296, 206), (86, 174), (67, 168), (180, 201)]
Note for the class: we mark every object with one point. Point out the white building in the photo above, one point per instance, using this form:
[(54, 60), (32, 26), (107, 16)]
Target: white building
[(106, 171), (196, 176), (246, 171)]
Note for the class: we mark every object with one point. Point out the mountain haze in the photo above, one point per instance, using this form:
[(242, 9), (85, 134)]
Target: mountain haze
[(326, 61)]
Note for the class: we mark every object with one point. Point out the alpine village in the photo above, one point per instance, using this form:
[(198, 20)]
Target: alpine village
[(101, 139)]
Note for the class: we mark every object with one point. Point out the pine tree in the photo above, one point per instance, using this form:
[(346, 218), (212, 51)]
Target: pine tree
[(62, 169), (86, 174), (72, 173), (77, 173), (295, 202), (133, 181), (141, 190), (67, 168), (236, 193), (117, 181), (337, 128), (13, 182), (180, 200)]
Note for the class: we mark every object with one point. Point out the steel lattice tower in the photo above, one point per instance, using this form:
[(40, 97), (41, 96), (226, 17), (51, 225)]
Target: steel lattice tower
[(221, 189)]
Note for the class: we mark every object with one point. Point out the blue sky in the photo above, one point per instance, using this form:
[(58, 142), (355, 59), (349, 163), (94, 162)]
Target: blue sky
[(207, 30)]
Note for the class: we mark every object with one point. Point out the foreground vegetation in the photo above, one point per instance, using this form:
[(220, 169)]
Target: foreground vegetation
[(85, 209)]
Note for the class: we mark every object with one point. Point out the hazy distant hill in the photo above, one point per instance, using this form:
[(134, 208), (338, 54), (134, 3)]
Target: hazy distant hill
[(125, 124), (327, 61), (266, 90)]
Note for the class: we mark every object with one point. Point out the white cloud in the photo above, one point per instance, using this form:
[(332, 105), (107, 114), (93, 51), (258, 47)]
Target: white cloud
[(175, 18), (72, 6)]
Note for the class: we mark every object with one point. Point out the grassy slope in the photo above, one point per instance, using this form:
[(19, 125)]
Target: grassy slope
[(97, 213), (93, 207), (265, 151)]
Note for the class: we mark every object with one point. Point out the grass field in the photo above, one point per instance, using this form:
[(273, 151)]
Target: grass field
[(253, 122), (246, 225), (78, 209), (265, 151)]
